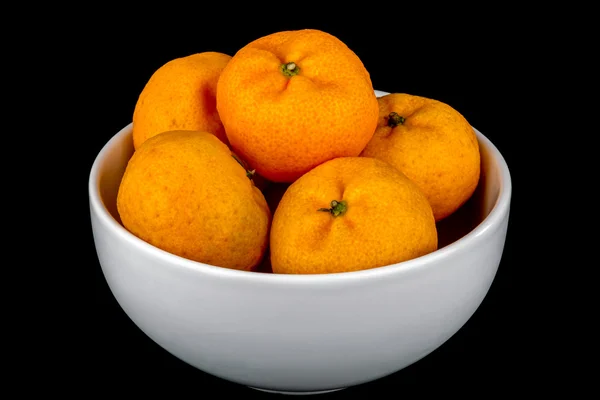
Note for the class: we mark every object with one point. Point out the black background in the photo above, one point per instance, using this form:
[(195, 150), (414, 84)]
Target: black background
[(477, 64)]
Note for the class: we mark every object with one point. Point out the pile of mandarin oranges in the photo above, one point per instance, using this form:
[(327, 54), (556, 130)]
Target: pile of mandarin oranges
[(280, 158)]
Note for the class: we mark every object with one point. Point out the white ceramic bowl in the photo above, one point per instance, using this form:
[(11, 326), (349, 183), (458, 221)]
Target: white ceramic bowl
[(302, 333)]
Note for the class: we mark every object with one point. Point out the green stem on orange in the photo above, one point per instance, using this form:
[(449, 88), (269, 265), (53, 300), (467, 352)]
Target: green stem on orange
[(394, 119), (249, 173), (337, 208), (289, 69)]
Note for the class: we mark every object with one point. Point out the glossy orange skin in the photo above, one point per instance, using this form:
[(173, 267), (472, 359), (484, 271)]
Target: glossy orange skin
[(181, 95), (387, 220), (435, 146), (184, 193), (283, 126)]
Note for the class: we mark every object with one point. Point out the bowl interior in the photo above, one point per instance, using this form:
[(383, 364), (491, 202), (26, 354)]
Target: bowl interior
[(480, 204)]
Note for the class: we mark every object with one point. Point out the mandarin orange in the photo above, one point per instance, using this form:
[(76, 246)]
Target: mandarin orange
[(294, 99), (181, 95), (185, 193), (350, 214), (431, 143)]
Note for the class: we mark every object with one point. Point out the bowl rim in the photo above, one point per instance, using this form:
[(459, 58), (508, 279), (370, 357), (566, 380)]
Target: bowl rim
[(484, 229)]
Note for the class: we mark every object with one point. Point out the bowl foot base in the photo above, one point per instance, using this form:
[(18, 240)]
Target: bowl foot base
[(295, 393)]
